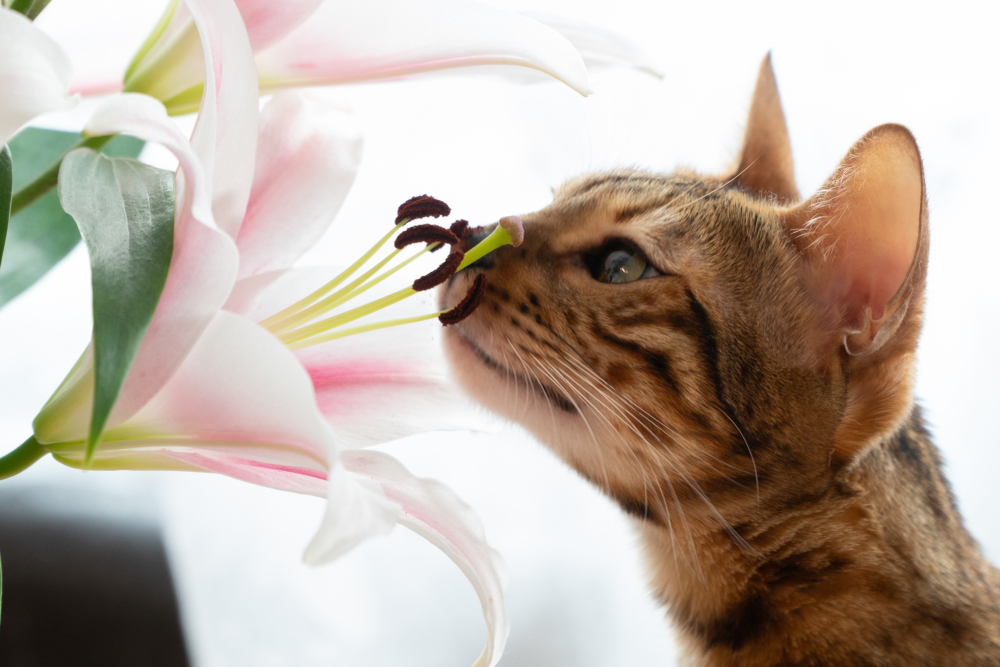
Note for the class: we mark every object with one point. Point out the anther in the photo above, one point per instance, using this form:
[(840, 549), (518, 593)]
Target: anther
[(425, 234), (441, 273), (459, 228), (467, 305), (423, 206)]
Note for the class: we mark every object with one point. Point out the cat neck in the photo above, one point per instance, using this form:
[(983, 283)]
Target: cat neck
[(878, 559)]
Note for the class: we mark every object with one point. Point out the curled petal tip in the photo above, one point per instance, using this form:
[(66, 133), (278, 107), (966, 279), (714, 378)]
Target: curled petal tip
[(513, 225)]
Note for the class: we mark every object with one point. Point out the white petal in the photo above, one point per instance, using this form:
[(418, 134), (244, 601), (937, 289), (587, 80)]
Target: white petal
[(202, 272), (240, 394), (354, 41), (225, 137), (356, 510), (34, 73), (436, 513), (598, 46), (307, 156)]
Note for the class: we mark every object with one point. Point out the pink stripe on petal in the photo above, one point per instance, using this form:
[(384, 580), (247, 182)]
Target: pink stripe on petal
[(284, 478)]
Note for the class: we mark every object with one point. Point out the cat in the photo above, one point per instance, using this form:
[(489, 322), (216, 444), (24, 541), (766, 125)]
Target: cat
[(734, 366)]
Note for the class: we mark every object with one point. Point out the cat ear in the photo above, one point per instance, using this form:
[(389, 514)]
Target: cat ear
[(863, 236), (766, 161)]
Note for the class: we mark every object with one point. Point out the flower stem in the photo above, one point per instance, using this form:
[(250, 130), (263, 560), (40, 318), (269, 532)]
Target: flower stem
[(48, 179), (21, 458)]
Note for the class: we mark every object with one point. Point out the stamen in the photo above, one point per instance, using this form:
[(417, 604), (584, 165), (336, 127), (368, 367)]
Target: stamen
[(423, 206), (467, 305), (460, 228), (425, 234), (441, 273)]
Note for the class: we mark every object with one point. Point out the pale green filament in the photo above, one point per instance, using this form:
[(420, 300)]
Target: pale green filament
[(277, 320), (291, 324)]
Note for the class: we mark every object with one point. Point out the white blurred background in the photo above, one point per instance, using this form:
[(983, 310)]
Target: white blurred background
[(492, 148)]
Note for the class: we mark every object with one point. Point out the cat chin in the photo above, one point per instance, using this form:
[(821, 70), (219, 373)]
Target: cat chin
[(548, 417)]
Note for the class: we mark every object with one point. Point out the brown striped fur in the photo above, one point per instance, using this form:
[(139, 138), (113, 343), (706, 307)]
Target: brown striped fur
[(752, 408)]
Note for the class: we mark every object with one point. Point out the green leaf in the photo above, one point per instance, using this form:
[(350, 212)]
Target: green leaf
[(30, 8), (125, 211), (6, 190), (42, 234)]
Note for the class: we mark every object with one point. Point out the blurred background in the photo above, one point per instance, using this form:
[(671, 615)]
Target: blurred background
[(490, 148)]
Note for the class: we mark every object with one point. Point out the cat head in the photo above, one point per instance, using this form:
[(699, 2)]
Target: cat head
[(681, 337)]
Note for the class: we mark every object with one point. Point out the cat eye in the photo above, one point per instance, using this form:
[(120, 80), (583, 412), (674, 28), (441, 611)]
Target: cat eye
[(620, 263)]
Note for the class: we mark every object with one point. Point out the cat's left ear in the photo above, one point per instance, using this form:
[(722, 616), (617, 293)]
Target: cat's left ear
[(766, 161), (863, 239)]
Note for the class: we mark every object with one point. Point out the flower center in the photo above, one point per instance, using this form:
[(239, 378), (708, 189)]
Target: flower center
[(312, 320)]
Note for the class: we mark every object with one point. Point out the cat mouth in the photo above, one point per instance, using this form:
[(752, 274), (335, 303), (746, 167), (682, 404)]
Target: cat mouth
[(531, 384)]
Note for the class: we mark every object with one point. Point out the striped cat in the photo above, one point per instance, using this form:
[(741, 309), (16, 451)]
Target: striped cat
[(734, 366)]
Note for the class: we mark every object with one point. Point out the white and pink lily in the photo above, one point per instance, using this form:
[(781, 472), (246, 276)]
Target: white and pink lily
[(317, 42), (212, 390), (34, 73)]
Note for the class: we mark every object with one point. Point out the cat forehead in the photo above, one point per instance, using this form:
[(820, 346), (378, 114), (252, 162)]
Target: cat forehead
[(621, 196)]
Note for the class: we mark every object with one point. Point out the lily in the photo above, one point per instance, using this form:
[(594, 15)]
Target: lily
[(34, 73), (281, 405), (312, 42)]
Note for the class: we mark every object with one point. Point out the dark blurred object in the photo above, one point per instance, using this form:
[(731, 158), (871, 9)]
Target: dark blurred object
[(85, 581)]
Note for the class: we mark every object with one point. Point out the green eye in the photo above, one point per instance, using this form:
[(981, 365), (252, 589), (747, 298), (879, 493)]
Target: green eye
[(622, 265)]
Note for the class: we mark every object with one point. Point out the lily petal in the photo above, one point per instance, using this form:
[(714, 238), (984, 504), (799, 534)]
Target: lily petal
[(385, 385), (372, 388), (240, 394), (34, 73), (599, 47), (307, 157), (268, 21), (202, 271), (345, 42), (205, 260), (436, 513), (225, 136)]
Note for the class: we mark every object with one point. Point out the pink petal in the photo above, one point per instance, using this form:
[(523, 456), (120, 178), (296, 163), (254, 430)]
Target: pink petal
[(202, 271), (34, 73), (295, 479), (268, 21), (240, 394), (354, 41), (375, 387), (433, 511), (307, 157), (217, 163), (225, 137)]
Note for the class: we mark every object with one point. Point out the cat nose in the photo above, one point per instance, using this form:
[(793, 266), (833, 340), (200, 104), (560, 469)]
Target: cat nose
[(475, 235)]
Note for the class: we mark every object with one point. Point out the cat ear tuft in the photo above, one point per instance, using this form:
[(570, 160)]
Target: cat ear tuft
[(863, 236), (765, 165)]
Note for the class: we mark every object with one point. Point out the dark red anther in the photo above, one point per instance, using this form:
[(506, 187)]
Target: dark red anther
[(425, 234), (471, 301), (441, 273), (460, 228), (423, 206)]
